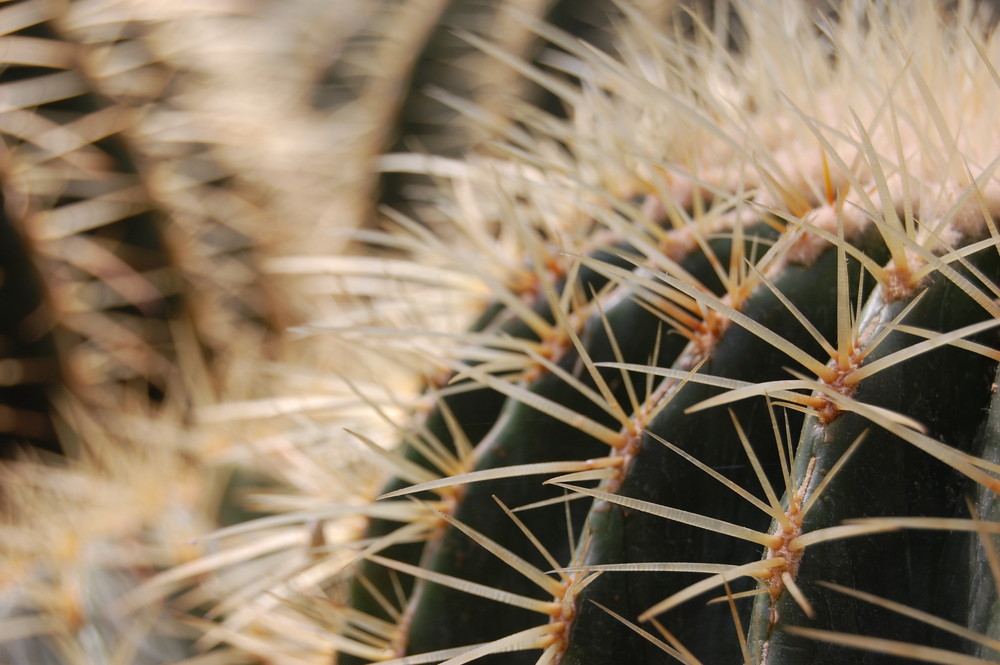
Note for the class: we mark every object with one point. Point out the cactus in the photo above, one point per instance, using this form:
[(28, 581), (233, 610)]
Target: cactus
[(750, 410), (700, 369), (109, 232), (131, 283)]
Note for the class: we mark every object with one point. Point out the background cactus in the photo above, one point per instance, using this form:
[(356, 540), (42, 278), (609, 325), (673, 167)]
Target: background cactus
[(700, 367)]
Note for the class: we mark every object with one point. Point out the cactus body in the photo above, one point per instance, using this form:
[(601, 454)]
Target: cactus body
[(688, 419)]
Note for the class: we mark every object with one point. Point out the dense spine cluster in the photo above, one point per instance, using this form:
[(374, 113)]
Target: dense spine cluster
[(750, 408)]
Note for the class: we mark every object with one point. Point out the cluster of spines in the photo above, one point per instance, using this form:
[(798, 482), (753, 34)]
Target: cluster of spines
[(130, 277), (800, 301), (131, 231)]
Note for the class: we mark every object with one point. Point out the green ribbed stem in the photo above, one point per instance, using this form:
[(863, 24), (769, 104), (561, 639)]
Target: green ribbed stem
[(948, 390), (523, 435), (660, 476)]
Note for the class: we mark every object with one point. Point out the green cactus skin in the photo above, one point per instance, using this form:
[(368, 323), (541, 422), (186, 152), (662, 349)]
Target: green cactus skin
[(522, 435), (982, 615), (476, 411), (620, 533), (659, 476), (890, 477)]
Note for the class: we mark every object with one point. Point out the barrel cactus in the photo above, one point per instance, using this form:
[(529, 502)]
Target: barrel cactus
[(734, 401), (699, 368)]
